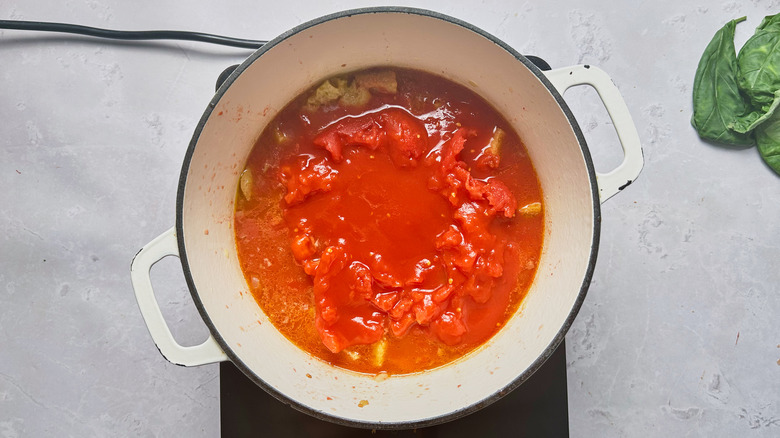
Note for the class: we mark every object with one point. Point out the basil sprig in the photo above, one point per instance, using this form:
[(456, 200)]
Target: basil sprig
[(735, 97)]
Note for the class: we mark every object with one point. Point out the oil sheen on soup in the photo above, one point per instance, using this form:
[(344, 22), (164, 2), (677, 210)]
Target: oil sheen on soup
[(389, 221)]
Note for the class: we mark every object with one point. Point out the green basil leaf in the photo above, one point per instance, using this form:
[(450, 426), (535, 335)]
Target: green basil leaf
[(768, 140), (759, 63), (752, 120), (769, 22), (717, 101)]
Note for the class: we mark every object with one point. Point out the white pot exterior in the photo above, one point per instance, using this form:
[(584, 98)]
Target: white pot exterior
[(250, 99)]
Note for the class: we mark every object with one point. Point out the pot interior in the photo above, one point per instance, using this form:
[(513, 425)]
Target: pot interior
[(250, 99)]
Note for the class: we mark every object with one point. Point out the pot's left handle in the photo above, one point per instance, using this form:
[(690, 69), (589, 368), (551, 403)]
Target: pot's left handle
[(612, 182), (163, 246)]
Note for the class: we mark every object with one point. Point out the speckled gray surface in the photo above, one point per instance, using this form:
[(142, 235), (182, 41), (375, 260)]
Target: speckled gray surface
[(679, 334)]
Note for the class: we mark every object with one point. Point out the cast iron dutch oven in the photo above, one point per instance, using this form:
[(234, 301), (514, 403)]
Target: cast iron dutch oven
[(261, 86)]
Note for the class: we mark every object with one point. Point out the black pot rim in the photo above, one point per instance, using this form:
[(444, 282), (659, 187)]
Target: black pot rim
[(549, 350)]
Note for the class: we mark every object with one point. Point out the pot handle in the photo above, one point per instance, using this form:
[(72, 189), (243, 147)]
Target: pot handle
[(163, 246), (622, 176)]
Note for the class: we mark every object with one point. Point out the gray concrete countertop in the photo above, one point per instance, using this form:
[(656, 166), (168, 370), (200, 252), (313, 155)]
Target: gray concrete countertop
[(680, 331)]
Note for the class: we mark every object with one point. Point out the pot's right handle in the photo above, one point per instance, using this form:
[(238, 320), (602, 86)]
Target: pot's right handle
[(612, 182), (166, 245)]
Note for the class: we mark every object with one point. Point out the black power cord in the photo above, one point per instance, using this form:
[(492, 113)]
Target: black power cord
[(140, 35), (43, 26)]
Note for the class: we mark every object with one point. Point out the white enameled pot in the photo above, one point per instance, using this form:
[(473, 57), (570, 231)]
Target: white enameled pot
[(250, 98)]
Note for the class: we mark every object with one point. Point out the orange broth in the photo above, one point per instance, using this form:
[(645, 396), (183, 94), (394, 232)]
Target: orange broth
[(389, 221)]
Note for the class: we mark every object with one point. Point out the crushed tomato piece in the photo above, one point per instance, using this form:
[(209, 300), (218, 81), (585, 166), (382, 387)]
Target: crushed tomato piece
[(341, 292), (403, 135), (307, 177)]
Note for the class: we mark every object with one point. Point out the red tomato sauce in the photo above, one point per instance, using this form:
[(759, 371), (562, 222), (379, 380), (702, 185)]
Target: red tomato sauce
[(392, 233)]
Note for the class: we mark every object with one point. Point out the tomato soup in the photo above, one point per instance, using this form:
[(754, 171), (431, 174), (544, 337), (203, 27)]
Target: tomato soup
[(389, 221)]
